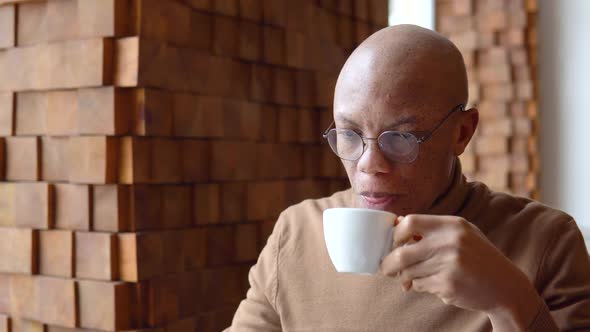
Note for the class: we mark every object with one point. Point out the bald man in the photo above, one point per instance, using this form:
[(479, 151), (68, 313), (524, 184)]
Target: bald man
[(465, 258)]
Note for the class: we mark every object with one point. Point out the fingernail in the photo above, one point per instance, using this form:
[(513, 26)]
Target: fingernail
[(398, 220)]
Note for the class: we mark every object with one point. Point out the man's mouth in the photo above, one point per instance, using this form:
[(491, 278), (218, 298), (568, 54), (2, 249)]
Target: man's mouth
[(380, 201)]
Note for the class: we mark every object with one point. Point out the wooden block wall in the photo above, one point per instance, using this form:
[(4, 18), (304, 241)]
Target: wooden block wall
[(147, 148), (498, 40)]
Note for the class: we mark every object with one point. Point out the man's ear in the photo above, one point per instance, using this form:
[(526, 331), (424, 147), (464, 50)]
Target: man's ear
[(466, 128)]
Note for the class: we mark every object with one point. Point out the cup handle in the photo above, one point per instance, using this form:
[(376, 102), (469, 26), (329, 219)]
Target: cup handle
[(388, 244)]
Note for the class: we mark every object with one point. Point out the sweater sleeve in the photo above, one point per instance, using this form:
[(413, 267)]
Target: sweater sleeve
[(564, 280), (258, 312)]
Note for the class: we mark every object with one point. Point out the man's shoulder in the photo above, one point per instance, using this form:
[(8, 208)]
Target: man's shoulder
[(515, 209), (318, 205)]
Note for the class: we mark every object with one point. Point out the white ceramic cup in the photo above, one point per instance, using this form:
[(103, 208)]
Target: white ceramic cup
[(358, 239)]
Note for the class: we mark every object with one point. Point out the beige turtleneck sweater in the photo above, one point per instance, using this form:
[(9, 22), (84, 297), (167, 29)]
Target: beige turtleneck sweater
[(294, 286)]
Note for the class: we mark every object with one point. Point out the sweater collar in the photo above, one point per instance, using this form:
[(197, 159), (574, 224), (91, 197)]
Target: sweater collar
[(452, 201)]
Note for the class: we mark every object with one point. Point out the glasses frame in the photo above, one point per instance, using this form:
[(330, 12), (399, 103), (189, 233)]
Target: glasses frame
[(421, 136)]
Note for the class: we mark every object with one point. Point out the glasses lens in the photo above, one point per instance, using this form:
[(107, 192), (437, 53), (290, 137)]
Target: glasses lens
[(345, 143), (399, 147)]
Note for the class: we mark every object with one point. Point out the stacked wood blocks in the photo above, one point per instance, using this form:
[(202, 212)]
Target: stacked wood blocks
[(148, 146), (498, 39)]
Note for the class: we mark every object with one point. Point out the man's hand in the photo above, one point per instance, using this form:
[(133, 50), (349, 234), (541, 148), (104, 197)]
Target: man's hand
[(451, 258)]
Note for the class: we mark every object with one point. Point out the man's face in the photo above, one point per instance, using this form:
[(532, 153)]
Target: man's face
[(378, 182)]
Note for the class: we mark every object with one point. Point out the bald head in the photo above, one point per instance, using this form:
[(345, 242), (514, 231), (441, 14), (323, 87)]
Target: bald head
[(404, 66)]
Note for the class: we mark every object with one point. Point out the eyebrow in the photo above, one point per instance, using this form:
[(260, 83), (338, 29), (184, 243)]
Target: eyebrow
[(405, 120)]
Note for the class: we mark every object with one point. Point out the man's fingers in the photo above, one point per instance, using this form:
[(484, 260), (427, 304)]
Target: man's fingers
[(403, 257), (416, 226), (427, 284), (419, 270)]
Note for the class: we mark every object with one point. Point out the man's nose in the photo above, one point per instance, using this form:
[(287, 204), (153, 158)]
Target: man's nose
[(373, 160)]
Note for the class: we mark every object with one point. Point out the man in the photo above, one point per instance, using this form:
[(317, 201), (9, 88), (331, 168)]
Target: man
[(465, 258)]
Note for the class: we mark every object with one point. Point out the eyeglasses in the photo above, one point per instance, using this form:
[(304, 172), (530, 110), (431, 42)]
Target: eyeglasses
[(397, 146)]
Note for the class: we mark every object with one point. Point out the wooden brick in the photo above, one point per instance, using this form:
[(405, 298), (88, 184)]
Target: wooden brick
[(498, 92), (153, 113), (198, 116), (30, 113), (107, 306), (24, 296), (140, 255), (250, 41), (325, 85), (500, 127), (177, 206), (265, 199), (274, 12), (284, 83), (207, 203), (494, 74), (54, 151), (295, 48), (455, 24), (96, 256), (166, 160), (72, 206), (135, 160), (193, 249), (4, 323), (233, 160), (361, 31), (22, 158), (173, 252), (7, 204), (104, 111), (251, 9), (187, 324), (512, 37), (6, 113), (25, 325), (268, 123), (230, 294), (268, 161), (226, 7), (5, 305), (56, 253), (32, 23), (178, 23), (492, 20), (201, 31), (490, 145), (465, 41), (233, 196), (246, 243), (220, 245), (261, 86), (146, 207), (2, 158), (165, 292), (288, 125), (93, 159), (309, 131), (19, 250), (62, 112), (378, 12), (493, 56), (41, 196), (273, 44), (225, 36), (361, 9), (57, 301), (69, 64), (126, 62), (110, 208), (7, 26), (64, 20), (195, 160)]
